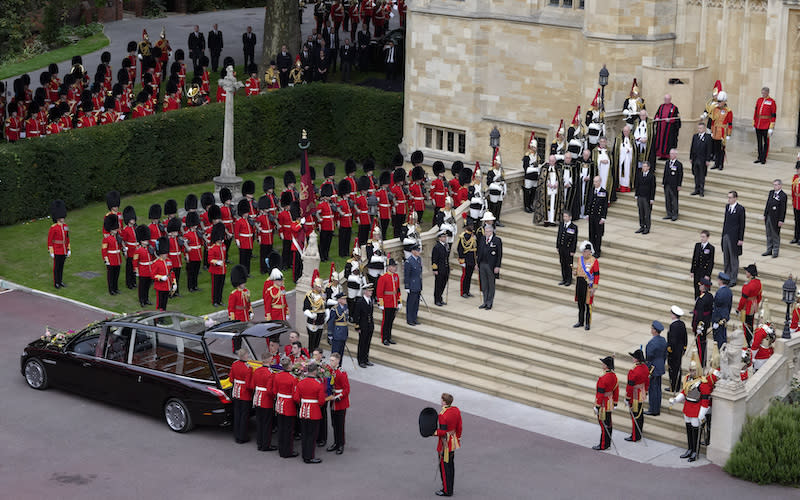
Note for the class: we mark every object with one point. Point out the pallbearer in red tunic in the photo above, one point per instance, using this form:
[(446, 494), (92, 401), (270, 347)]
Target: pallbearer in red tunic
[(284, 385), (111, 251), (239, 307), (241, 376), (438, 186), (310, 396), (605, 401), (265, 232), (243, 233), (32, 126), (449, 434), (177, 245), (142, 264), (58, 241), (668, 124), (636, 392), (163, 279), (264, 402), (341, 402), (389, 300), (587, 274), (764, 123)]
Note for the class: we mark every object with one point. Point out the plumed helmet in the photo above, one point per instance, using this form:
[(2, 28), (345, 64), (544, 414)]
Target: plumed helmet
[(58, 210), (368, 165), (349, 166), (249, 187), (217, 232), (53, 69), (329, 170), (228, 61), (179, 55), (214, 212), (170, 207), (385, 178), (465, 176), (128, 214), (243, 208), (162, 245), (417, 157), (344, 188), (289, 178), (276, 275), (207, 199), (174, 225), (112, 199), (110, 222), (363, 183), (438, 167), (417, 173), (587, 245), (225, 194), (399, 175), (722, 96), (238, 275), (326, 191), (286, 199), (154, 212), (142, 233), (190, 202), (131, 46), (192, 219), (264, 203), (269, 183)]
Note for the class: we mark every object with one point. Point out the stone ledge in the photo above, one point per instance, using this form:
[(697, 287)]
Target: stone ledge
[(542, 18)]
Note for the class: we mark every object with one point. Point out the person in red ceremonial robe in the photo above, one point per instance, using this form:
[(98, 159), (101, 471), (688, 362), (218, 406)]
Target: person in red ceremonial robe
[(764, 123), (241, 376), (448, 431), (750, 300), (239, 307), (264, 402), (668, 124), (142, 264), (58, 241), (606, 399), (389, 300), (696, 399), (310, 396), (111, 252), (275, 307), (283, 385), (587, 273), (636, 392), (341, 402)]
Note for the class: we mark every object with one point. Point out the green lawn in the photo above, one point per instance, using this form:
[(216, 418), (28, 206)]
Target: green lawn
[(81, 47), (24, 258)]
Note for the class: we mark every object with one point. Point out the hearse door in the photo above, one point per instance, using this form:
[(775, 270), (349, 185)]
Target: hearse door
[(147, 384), (77, 369)]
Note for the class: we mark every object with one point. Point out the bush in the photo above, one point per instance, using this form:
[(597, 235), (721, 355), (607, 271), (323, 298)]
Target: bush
[(768, 448), (15, 28), (185, 146)]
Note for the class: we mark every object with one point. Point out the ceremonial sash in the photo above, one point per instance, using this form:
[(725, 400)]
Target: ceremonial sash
[(589, 275)]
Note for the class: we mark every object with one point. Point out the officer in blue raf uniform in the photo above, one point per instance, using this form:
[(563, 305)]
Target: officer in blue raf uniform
[(412, 282), (721, 313), (656, 356), (337, 324)]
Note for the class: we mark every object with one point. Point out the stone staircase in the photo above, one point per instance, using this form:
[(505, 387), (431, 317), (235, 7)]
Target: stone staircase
[(525, 348)]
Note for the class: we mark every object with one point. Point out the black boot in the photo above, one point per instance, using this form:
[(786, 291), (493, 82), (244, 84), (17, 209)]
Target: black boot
[(695, 443), (689, 444), (707, 431)]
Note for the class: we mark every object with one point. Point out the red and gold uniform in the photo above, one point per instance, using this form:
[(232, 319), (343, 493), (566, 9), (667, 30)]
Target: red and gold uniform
[(252, 86), (12, 128), (243, 233), (696, 398), (241, 376), (417, 201), (761, 347), (175, 259), (32, 128), (163, 279), (221, 94), (275, 306), (172, 103), (86, 121), (239, 307), (59, 248), (764, 121), (449, 434), (310, 395), (217, 268), (263, 401), (142, 267), (384, 206), (438, 192), (795, 325), (266, 231), (635, 394), (606, 398), (388, 293), (108, 116), (749, 302), (587, 273), (400, 201), (112, 256), (283, 385)]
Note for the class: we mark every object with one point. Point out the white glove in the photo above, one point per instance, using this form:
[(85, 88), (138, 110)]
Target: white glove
[(302, 221), (251, 315), (671, 401), (596, 410), (769, 132), (163, 278), (727, 138), (704, 116), (22, 135), (308, 314), (702, 415), (380, 307), (69, 252), (139, 56), (288, 317), (52, 256), (715, 325)]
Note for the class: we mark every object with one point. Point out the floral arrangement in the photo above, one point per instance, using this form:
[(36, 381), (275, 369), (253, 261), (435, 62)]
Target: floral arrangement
[(57, 338)]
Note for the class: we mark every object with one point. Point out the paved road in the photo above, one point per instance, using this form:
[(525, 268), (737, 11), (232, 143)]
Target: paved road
[(58, 445)]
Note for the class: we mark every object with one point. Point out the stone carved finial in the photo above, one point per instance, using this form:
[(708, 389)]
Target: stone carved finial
[(731, 360), (311, 250)]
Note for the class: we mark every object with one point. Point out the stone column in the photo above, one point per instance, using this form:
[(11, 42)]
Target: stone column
[(729, 415), (303, 285), (227, 172)]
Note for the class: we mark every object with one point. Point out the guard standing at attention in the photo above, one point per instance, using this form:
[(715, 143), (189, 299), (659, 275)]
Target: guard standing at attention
[(635, 392), (239, 307), (467, 254), (58, 241), (605, 401), (449, 434)]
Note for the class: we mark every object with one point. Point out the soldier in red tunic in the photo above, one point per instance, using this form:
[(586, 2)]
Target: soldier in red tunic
[(344, 208), (58, 241), (241, 376), (449, 434), (696, 399), (253, 85), (416, 193), (193, 250), (385, 200), (177, 245), (439, 187), (275, 307), (13, 124), (400, 202), (762, 349), (239, 307), (32, 128), (587, 274), (324, 214), (341, 402), (128, 234), (264, 402), (163, 279), (157, 229), (605, 401), (284, 384), (142, 264), (111, 251), (750, 300), (216, 261), (310, 396), (243, 234), (172, 101), (389, 300), (764, 123), (265, 232), (636, 392)]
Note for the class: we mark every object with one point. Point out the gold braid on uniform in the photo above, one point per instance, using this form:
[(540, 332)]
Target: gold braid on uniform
[(317, 304)]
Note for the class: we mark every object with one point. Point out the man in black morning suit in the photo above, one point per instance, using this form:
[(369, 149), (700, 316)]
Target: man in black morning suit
[(596, 209), (566, 242), (733, 236), (774, 215), (672, 181), (700, 155), (702, 261), (362, 317), (489, 257), (645, 192)]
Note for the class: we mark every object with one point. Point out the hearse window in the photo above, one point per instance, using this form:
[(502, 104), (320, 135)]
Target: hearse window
[(87, 342), (116, 344), (171, 354)]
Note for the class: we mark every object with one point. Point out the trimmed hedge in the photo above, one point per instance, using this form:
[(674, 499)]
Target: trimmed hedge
[(182, 147), (769, 447)]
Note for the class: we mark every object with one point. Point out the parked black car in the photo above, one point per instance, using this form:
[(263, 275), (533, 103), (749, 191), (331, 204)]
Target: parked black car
[(154, 362)]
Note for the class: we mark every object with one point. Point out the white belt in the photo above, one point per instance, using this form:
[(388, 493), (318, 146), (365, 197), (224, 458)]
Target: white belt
[(237, 381), (338, 391), (327, 216), (284, 396), (174, 253), (265, 230), (384, 205), (245, 234), (194, 248), (227, 221), (112, 251), (261, 389), (309, 401)]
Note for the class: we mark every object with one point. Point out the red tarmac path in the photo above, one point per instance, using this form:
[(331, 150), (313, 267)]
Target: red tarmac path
[(55, 444)]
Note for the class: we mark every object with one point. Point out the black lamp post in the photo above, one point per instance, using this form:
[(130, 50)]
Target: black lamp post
[(603, 81), (789, 289)]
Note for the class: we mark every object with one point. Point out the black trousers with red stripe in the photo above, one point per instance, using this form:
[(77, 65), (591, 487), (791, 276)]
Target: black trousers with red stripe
[(161, 300), (112, 278), (605, 431), (637, 422), (447, 471), (285, 435), (386, 325), (58, 269), (337, 420)]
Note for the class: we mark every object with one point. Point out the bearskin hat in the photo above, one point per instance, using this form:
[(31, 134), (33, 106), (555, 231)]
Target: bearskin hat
[(397, 160), (368, 166), (363, 183), (438, 167), (44, 78), (456, 167), (190, 202), (238, 275), (170, 207), (289, 178), (154, 212), (192, 219), (52, 69), (87, 106), (204, 61), (172, 87), (110, 222), (273, 261), (269, 183), (105, 57), (142, 97), (217, 232), (174, 225), (162, 245), (225, 194), (39, 96), (142, 233), (417, 157), (399, 175), (286, 199), (417, 173), (207, 199), (349, 166), (243, 208), (58, 210), (214, 212), (156, 52), (329, 170), (344, 187), (294, 210), (128, 214), (174, 68), (122, 76), (179, 55), (117, 89), (131, 46), (465, 176), (264, 203), (385, 178), (326, 191), (33, 108), (112, 199), (249, 187), (26, 79)]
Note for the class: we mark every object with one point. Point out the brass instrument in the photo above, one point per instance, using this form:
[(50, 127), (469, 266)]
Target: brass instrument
[(79, 67)]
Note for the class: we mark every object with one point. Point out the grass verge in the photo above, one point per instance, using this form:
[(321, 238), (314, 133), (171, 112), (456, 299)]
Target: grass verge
[(81, 47)]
